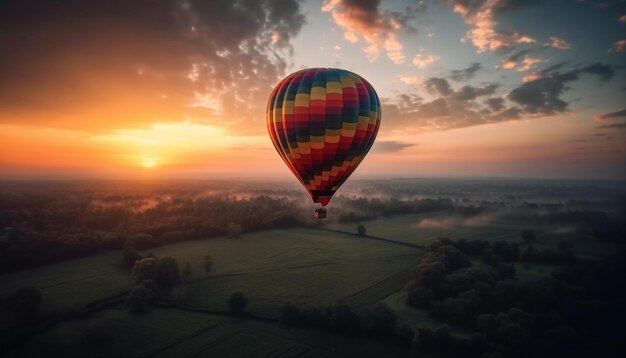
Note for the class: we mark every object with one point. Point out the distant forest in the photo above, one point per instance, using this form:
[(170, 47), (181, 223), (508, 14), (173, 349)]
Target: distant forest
[(54, 221)]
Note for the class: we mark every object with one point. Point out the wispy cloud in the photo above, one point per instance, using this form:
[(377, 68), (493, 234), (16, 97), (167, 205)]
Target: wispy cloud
[(421, 60), (481, 17), (558, 43), (618, 46), (364, 20)]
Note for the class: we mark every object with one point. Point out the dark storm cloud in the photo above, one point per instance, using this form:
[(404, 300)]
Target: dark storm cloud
[(465, 74), (542, 96), (390, 146), (79, 56)]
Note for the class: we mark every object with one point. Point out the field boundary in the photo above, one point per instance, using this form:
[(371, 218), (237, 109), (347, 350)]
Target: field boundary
[(415, 246)]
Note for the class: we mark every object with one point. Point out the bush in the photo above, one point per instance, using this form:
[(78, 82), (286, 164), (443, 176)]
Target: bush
[(187, 272), (528, 236), (380, 319), (234, 230), (166, 273), (144, 269), (360, 230), (290, 313), (343, 318), (237, 302), (139, 299), (420, 296), (24, 303), (207, 263), (130, 255)]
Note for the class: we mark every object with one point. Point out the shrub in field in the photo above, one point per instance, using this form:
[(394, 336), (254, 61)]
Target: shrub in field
[(24, 303), (237, 302), (166, 273)]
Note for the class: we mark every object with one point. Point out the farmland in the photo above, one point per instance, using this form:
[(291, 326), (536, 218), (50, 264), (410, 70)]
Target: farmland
[(310, 265), (305, 266), (174, 333)]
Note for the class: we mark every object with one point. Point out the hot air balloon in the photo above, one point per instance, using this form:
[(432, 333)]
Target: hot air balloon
[(323, 121)]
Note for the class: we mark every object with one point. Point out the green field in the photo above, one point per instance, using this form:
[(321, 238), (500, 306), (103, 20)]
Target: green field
[(305, 266), (176, 333), (73, 283), (422, 229)]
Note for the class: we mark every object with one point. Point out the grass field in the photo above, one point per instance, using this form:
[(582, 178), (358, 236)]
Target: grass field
[(422, 229), (305, 266), (73, 283), (174, 333)]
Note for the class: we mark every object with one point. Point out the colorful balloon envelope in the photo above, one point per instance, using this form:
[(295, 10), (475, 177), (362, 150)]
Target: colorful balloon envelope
[(323, 121)]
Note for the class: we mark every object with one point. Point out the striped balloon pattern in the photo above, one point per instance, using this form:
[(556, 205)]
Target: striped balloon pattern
[(323, 121)]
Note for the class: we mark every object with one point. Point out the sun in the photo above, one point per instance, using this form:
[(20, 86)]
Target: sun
[(149, 162)]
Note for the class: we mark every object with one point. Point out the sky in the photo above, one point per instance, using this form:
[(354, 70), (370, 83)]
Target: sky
[(178, 89)]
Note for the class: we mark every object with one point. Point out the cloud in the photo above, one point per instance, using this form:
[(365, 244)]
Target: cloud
[(618, 46), (421, 61), (511, 61), (467, 92), (465, 74), (521, 61), (495, 104), (528, 63), (363, 19), (612, 125), (558, 43), (542, 96), (608, 119), (531, 77), (451, 107), (438, 86), (481, 16), (97, 66), (390, 146), (622, 19), (464, 106), (611, 115), (411, 79)]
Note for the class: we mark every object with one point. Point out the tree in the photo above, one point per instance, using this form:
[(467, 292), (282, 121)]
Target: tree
[(290, 313), (528, 236), (187, 272), (24, 303), (237, 302), (360, 230), (139, 299), (380, 319), (130, 255), (207, 262), (234, 230), (166, 273), (144, 269)]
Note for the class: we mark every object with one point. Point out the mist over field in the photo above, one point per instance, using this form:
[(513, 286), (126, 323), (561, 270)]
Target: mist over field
[(401, 267)]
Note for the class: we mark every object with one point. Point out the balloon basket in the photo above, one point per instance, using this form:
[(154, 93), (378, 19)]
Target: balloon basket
[(320, 213)]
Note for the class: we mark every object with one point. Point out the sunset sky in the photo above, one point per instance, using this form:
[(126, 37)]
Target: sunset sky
[(178, 89)]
